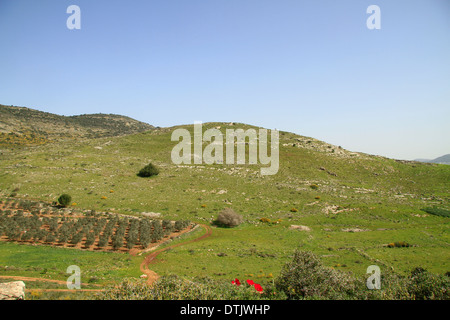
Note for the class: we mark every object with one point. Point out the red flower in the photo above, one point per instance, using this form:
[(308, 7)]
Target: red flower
[(250, 282), (236, 282), (258, 288)]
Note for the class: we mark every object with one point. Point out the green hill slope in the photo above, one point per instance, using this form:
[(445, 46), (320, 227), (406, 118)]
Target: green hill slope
[(354, 204), (25, 126)]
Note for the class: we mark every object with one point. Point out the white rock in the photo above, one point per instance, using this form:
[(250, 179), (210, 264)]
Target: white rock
[(12, 290), (299, 227)]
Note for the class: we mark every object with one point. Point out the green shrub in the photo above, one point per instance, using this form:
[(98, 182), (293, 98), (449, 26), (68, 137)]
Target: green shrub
[(172, 287), (437, 211), (148, 171), (306, 278), (401, 244), (423, 285), (64, 200)]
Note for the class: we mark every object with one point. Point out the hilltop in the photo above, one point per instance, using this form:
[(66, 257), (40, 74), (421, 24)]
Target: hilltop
[(25, 126), (445, 159)]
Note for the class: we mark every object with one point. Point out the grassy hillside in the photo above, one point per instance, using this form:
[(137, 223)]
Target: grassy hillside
[(354, 204), (25, 126)]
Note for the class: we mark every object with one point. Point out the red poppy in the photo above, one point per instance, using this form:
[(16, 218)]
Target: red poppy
[(236, 282), (258, 288), (250, 282)]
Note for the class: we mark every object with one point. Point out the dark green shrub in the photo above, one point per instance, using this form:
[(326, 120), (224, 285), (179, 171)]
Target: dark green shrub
[(168, 226), (65, 200), (148, 171), (401, 244), (103, 241), (437, 211), (50, 238), (90, 239), (76, 238), (158, 232), (306, 278), (117, 243), (145, 233)]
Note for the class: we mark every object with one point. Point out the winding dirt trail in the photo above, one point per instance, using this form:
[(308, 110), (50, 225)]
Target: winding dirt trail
[(152, 276)]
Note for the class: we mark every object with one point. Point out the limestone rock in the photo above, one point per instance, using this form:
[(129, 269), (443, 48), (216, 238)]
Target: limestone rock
[(299, 228), (12, 290)]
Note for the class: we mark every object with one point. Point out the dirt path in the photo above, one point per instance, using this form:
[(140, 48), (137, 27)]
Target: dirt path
[(152, 276)]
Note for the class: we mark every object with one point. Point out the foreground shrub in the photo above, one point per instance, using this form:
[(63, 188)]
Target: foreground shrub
[(148, 171), (229, 218), (306, 278), (423, 285), (175, 288)]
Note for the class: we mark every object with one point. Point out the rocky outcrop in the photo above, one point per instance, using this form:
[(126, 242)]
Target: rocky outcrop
[(12, 290)]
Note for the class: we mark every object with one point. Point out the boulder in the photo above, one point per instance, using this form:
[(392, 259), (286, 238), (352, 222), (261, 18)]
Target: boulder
[(299, 228), (12, 290), (151, 214)]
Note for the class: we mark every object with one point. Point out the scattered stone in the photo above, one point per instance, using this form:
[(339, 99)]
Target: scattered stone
[(353, 230)]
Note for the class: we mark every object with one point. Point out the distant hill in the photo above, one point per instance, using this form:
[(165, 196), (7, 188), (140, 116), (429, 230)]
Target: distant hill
[(445, 159), (20, 125)]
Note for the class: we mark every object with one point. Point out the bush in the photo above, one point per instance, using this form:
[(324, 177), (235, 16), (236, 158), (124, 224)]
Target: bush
[(229, 218), (306, 278), (172, 287), (423, 285), (398, 244), (437, 211), (148, 171), (65, 200)]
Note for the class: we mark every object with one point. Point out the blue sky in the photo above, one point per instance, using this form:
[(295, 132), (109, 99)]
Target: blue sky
[(309, 67)]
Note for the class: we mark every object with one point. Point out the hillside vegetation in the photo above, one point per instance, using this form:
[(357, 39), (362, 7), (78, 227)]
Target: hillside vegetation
[(25, 126), (347, 208)]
